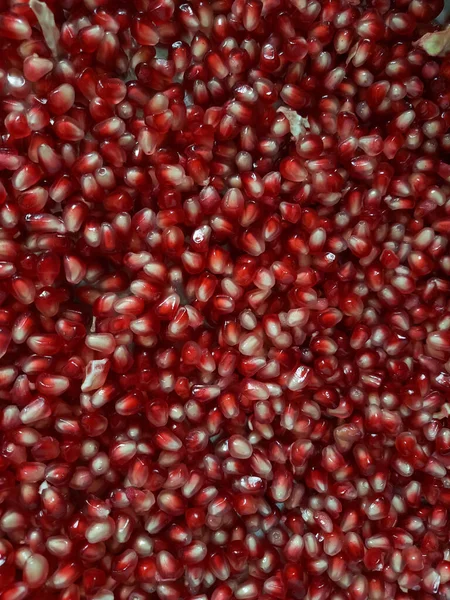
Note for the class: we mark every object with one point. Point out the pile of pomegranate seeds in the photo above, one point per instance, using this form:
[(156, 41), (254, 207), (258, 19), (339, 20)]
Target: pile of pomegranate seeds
[(224, 300)]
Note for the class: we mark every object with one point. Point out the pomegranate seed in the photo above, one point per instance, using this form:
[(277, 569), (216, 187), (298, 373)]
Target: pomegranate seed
[(14, 27)]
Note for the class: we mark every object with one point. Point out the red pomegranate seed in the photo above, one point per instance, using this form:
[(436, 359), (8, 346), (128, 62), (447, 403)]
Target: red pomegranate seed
[(14, 27)]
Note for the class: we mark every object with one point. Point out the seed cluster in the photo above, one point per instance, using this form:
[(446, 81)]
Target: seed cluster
[(224, 300)]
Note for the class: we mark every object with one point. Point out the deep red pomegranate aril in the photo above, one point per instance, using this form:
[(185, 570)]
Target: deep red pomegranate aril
[(224, 300)]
